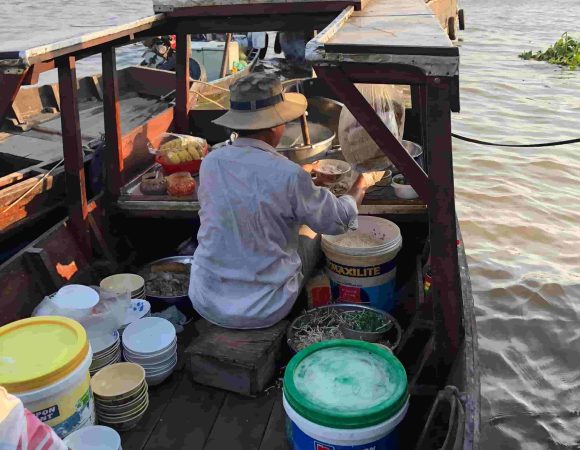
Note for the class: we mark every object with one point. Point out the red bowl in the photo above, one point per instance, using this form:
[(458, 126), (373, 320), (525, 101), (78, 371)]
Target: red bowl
[(189, 166)]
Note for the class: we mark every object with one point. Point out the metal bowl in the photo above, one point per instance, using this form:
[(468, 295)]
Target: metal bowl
[(392, 338), (292, 144), (160, 303), (415, 150)]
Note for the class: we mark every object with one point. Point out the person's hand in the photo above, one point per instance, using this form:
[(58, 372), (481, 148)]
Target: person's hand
[(310, 167)]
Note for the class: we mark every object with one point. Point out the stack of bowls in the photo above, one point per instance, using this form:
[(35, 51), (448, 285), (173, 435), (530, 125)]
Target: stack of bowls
[(152, 343), (95, 437), (124, 283), (121, 395), (106, 350), (138, 309)]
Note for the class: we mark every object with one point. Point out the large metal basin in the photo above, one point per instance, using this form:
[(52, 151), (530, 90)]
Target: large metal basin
[(292, 144)]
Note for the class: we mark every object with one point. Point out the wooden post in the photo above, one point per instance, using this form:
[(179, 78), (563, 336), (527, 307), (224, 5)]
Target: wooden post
[(9, 87), (348, 94), (224, 68), (113, 156), (182, 88), (305, 130), (73, 153), (442, 224)]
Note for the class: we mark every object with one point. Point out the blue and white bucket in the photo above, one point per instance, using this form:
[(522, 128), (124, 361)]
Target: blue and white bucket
[(345, 395), (364, 272)]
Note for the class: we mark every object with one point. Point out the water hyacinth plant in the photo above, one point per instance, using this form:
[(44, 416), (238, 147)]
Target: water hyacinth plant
[(564, 52)]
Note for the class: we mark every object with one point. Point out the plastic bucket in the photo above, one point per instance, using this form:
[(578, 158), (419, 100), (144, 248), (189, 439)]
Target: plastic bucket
[(345, 394), (364, 274), (47, 367)]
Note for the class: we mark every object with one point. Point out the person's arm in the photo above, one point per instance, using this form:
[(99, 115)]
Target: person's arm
[(318, 208), (358, 190)]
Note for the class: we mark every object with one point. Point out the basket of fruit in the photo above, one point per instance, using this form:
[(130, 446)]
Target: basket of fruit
[(180, 153)]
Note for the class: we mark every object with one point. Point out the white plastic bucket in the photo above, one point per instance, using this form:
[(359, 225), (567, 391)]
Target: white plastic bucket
[(365, 274), (309, 435), (67, 404)]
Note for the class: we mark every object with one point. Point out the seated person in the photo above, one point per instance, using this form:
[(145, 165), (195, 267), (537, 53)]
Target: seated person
[(251, 263)]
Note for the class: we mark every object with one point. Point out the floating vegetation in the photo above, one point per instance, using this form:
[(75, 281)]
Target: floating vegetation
[(565, 52)]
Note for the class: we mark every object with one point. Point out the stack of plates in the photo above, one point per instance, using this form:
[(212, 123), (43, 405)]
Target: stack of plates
[(95, 437), (137, 310), (124, 283), (151, 342), (121, 396), (106, 350)]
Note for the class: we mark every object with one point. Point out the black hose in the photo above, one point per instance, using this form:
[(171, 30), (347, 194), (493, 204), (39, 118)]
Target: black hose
[(495, 144)]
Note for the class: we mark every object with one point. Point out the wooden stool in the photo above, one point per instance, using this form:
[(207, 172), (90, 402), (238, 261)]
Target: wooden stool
[(242, 361)]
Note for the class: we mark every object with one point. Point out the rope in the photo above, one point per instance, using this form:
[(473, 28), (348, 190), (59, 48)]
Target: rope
[(495, 144)]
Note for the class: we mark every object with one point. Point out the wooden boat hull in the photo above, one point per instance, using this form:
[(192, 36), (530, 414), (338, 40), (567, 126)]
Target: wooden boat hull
[(145, 105)]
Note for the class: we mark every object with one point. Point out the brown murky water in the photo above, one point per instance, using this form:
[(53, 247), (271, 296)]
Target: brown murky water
[(519, 208)]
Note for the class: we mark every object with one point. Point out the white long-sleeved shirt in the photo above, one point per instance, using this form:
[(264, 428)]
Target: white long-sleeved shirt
[(246, 269)]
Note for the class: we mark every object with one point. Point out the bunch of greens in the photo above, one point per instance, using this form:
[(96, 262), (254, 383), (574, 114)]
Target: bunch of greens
[(366, 321), (565, 52)]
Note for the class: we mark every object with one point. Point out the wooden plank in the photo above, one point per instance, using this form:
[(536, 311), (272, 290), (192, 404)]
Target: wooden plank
[(410, 35), (10, 85), (241, 423), (347, 93), (159, 399), (189, 417), (113, 155), (73, 153), (381, 8), (182, 80), (39, 263), (246, 8), (275, 436), (443, 230)]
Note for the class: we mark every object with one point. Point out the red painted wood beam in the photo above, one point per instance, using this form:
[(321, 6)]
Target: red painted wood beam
[(348, 94), (446, 286), (9, 87), (113, 137), (182, 80), (73, 153)]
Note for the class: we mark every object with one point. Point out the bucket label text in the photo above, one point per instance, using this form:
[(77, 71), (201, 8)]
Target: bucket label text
[(47, 414), (360, 272)]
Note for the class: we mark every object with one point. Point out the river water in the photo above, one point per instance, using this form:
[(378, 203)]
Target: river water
[(519, 209)]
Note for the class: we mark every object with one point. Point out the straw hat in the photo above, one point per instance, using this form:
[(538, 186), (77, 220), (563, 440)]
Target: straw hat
[(257, 102)]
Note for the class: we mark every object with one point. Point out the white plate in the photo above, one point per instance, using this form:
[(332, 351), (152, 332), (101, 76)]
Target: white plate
[(102, 342), (148, 335), (96, 437), (76, 297), (138, 309)]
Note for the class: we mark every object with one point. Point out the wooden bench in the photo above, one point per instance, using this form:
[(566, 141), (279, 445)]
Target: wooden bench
[(241, 361)]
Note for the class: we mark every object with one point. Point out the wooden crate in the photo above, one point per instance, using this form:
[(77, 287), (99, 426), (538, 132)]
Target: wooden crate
[(242, 361)]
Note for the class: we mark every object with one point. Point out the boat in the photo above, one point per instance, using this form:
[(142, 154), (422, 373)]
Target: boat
[(99, 237), (32, 188)]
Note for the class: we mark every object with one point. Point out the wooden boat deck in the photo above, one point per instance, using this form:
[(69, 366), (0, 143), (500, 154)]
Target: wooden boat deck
[(184, 414)]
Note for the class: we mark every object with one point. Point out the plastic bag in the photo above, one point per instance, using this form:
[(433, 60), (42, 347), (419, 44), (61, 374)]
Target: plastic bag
[(20, 429), (194, 147), (106, 317), (175, 316), (358, 147)]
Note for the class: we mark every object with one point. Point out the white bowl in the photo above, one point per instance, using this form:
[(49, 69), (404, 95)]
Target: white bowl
[(154, 380), (76, 298), (103, 342), (148, 335), (150, 363), (151, 368), (160, 354), (137, 309), (404, 191), (95, 437)]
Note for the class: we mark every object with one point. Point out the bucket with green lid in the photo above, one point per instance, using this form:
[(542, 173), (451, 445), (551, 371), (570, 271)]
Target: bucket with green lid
[(345, 394)]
